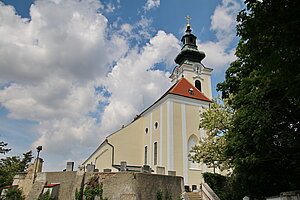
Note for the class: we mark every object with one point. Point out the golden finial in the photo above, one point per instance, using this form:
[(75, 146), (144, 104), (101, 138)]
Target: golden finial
[(188, 20)]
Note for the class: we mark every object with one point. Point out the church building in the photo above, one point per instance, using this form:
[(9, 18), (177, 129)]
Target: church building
[(164, 133)]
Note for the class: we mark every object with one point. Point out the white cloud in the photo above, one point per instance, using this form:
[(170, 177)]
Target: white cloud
[(217, 55), (151, 4), (58, 39), (55, 61), (138, 32), (110, 8), (54, 98), (126, 28), (132, 83), (223, 22)]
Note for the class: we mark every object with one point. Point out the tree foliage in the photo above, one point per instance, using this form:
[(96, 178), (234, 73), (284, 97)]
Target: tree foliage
[(3, 148), (223, 186), (219, 184), (216, 120), (13, 193), (46, 196), (263, 143), (93, 188), (9, 166)]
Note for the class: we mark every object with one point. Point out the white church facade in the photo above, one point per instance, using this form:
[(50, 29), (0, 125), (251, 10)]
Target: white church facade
[(162, 135)]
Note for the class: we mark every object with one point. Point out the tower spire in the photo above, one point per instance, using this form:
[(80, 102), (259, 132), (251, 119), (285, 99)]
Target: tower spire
[(189, 63), (189, 51)]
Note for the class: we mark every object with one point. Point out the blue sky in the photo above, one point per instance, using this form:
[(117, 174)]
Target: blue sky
[(71, 71)]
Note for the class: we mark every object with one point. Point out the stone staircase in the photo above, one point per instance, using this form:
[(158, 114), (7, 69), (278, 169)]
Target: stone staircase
[(193, 195)]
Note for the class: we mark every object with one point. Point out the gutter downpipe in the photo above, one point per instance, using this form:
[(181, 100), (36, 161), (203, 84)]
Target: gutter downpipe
[(113, 152)]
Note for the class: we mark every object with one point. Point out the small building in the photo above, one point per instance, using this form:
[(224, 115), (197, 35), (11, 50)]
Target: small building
[(5, 188), (53, 190)]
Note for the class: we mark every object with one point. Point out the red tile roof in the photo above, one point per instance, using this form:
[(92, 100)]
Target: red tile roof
[(51, 185), (182, 88), (9, 186)]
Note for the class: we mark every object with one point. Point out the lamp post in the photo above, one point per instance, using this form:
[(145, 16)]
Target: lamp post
[(39, 148)]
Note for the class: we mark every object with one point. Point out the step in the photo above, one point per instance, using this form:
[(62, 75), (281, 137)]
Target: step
[(193, 195)]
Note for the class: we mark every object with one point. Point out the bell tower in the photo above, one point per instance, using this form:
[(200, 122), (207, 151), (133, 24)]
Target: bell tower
[(190, 66)]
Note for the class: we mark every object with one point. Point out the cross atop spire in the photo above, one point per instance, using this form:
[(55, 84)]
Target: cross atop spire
[(188, 20), (188, 26)]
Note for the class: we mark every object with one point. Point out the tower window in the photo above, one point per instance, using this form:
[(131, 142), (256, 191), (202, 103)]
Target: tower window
[(155, 153), (145, 158), (198, 85), (146, 130)]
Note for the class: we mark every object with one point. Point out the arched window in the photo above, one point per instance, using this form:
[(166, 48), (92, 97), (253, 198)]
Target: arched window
[(198, 85), (193, 140)]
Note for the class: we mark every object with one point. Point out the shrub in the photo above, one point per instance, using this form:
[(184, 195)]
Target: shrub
[(159, 195), (46, 196), (93, 188), (79, 194), (221, 185), (168, 196), (13, 193), (91, 192)]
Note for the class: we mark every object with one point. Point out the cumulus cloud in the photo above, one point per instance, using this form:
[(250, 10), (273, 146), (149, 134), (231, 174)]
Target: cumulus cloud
[(218, 56), (58, 39), (138, 32), (61, 70), (150, 4), (110, 8), (55, 72), (223, 22), (132, 83), (51, 63)]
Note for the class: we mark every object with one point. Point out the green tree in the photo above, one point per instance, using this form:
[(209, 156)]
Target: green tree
[(263, 143), (79, 194), (93, 188), (9, 166), (3, 150), (13, 193), (216, 120), (46, 196)]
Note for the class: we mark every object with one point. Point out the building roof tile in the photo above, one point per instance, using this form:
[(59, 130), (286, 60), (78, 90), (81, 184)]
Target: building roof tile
[(186, 89), (51, 185)]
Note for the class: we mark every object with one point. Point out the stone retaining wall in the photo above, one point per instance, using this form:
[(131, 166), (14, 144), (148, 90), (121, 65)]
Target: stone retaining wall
[(116, 185)]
